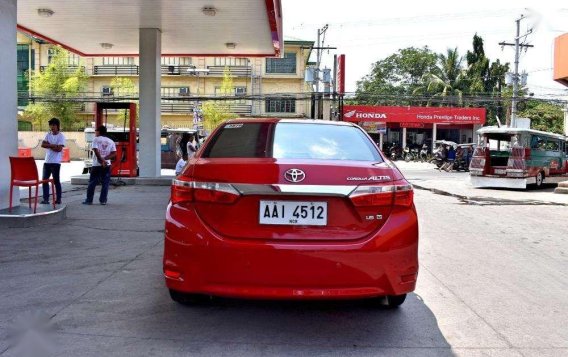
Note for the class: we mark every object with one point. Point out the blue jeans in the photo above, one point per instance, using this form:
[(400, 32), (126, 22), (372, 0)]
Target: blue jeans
[(102, 175), (49, 170)]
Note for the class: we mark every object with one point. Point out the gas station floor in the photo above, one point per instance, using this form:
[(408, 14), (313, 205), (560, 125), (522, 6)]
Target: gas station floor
[(92, 285), (63, 279)]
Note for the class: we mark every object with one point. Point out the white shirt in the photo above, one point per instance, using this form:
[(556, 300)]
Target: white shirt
[(180, 165), (52, 156), (191, 149), (105, 147)]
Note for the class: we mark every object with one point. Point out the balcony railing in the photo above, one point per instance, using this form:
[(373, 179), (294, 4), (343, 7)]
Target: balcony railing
[(177, 107), (176, 70), (116, 70), (187, 108), (68, 69), (237, 71), (240, 108)]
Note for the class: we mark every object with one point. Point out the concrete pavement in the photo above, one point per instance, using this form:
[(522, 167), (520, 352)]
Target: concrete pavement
[(491, 283)]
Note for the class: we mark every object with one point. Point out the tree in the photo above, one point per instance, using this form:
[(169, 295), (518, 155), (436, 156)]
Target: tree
[(56, 86), (445, 80), (545, 116), (398, 74), (486, 79), (477, 68), (124, 87), (218, 111)]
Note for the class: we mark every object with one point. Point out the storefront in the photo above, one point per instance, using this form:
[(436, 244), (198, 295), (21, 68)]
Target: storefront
[(415, 126)]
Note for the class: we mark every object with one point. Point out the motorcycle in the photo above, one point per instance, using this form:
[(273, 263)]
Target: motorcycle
[(460, 164), (424, 154), (411, 154), (394, 153)]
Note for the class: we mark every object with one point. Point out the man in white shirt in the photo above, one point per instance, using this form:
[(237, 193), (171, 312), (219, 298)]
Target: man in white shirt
[(104, 150), (54, 142), (181, 163)]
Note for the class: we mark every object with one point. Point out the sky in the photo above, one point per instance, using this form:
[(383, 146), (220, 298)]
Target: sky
[(370, 30)]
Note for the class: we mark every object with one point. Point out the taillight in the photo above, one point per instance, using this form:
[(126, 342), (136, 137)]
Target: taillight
[(192, 191), (372, 196), (403, 195), (181, 191), (397, 195)]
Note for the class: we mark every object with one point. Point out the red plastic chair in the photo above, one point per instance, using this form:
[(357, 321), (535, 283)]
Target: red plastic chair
[(24, 173)]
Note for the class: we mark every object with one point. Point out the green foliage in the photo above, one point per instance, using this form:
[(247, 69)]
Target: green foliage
[(123, 86), (445, 80), (398, 74), (544, 116), (56, 84), (218, 111)]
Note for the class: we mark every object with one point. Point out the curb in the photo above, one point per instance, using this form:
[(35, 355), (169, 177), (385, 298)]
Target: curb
[(488, 201), (25, 219)]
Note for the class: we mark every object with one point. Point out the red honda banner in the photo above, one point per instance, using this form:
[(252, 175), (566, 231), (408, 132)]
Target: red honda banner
[(440, 115)]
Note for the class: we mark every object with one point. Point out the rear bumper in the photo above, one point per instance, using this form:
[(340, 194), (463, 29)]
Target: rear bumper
[(196, 260)]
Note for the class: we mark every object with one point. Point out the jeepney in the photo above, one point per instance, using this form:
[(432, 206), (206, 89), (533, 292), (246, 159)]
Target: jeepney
[(516, 157)]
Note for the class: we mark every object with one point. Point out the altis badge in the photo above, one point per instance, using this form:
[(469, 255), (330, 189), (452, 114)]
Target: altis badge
[(370, 178)]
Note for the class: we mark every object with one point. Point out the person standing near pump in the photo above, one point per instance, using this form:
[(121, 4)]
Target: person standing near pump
[(104, 150), (54, 142), (191, 146)]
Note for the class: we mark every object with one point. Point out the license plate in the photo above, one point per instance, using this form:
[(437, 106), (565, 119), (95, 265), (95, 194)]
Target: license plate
[(293, 213), (500, 172)]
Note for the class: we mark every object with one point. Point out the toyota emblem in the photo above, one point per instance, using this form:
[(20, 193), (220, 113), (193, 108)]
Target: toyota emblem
[(295, 175)]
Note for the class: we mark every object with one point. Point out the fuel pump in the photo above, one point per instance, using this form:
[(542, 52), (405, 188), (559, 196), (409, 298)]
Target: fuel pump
[(126, 162)]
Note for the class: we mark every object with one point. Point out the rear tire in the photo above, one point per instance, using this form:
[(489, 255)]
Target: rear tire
[(394, 301), (189, 299), (539, 179)]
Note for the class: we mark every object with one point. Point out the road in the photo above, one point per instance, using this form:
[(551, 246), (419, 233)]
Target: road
[(492, 282)]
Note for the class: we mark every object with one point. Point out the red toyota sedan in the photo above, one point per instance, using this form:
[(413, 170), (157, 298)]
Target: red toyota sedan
[(290, 209)]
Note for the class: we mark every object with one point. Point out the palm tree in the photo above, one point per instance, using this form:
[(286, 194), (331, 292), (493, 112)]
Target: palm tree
[(446, 81)]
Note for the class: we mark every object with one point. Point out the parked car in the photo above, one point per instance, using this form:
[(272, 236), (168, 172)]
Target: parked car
[(290, 209)]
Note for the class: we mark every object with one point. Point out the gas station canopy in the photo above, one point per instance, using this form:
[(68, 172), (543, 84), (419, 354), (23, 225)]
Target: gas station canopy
[(188, 27)]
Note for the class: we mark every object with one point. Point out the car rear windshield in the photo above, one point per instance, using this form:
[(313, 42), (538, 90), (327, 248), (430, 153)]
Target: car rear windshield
[(322, 142), (291, 141)]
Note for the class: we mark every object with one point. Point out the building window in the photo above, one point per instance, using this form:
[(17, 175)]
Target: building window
[(50, 54), (237, 91), (117, 61), (176, 61), (280, 105), (72, 58), (23, 65), (282, 65), (231, 61), (175, 91)]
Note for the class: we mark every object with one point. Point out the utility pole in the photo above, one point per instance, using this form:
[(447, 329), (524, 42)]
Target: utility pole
[(518, 47), (316, 97), (321, 32)]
